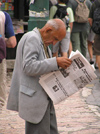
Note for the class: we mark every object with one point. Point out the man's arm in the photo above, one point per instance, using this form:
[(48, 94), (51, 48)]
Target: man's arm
[(71, 26), (11, 42), (90, 18), (90, 21), (52, 11), (9, 32)]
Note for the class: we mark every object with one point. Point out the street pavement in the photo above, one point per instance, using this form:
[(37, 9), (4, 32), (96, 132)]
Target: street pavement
[(78, 114)]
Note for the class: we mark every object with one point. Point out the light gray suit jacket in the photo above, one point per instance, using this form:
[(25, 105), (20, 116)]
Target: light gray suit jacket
[(26, 95)]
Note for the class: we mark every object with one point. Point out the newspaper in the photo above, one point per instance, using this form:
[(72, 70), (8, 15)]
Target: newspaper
[(63, 83)]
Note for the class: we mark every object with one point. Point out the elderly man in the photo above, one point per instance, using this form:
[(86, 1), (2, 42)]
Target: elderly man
[(33, 60)]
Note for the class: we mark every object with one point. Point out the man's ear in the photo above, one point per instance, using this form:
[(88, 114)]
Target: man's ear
[(49, 29)]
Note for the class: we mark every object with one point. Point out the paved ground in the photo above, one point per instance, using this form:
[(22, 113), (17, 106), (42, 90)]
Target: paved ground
[(79, 114)]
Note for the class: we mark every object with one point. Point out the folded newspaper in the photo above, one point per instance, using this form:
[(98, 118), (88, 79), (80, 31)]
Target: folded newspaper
[(63, 83)]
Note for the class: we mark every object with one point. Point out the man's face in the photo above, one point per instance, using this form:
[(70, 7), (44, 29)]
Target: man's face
[(53, 36)]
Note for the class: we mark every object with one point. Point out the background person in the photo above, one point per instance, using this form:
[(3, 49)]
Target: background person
[(90, 42), (8, 39), (80, 31), (64, 45), (96, 45)]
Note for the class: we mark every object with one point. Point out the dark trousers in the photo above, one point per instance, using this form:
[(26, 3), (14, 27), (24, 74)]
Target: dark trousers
[(48, 124)]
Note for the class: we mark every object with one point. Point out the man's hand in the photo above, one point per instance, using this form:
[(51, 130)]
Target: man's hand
[(63, 62)]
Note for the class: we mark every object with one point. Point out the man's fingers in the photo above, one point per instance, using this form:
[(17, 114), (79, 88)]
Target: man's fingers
[(63, 62)]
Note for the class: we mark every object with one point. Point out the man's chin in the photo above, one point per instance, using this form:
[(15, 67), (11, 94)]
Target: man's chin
[(48, 44)]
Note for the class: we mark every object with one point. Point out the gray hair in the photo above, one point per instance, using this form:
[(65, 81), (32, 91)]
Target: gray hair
[(53, 23)]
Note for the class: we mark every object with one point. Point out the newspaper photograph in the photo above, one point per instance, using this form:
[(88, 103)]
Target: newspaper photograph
[(63, 83)]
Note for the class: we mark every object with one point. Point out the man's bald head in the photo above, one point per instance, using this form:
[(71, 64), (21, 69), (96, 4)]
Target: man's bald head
[(57, 24)]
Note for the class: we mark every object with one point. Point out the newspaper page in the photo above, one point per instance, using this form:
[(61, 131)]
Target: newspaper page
[(63, 83)]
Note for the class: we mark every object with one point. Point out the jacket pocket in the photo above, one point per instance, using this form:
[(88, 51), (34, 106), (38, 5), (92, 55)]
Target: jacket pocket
[(27, 90)]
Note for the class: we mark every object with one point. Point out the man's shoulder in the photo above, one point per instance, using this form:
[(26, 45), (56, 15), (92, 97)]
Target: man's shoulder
[(96, 3), (33, 34), (72, 4), (89, 2), (7, 17), (2, 13), (69, 9), (6, 14), (54, 6)]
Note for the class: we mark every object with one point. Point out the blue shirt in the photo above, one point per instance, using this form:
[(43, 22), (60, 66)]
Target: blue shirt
[(9, 31)]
